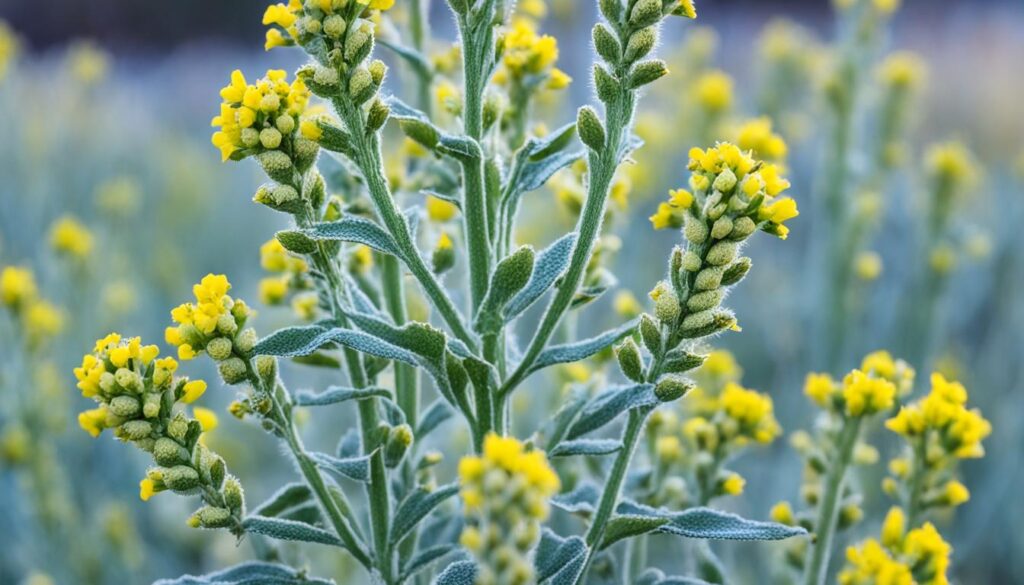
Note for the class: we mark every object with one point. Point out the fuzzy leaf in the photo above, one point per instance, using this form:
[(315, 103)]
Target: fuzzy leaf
[(550, 264), (416, 507), (424, 558), (295, 341), (460, 573), (566, 416), (628, 526), (582, 500), (656, 577), (319, 360), (610, 404), (411, 56), (581, 350), (555, 553), (586, 447), (710, 524), (536, 173), (336, 394), (288, 497), (355, 229), (510, 276), (355, 468), (436, 413), (289, 530), (249, 573), (555, 141)]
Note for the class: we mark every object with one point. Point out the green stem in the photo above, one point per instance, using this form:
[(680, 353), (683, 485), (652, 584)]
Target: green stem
[(380, 515), (406, 382), (419, 30), (828, 512), (914, 507)]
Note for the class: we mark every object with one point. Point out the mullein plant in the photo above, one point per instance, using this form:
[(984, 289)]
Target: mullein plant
[(354, 254)]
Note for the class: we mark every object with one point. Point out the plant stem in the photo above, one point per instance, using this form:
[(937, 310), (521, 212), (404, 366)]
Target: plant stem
[(419, 30), (916, 484), (380, 515), (406, 383), (828, 512)]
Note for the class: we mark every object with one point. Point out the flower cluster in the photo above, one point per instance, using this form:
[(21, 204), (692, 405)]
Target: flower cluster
[(872, 388), (940, 430), (39, 319), (258, 117), (139, 397), (917, 557), (758, 137), (290, 276), (505, 493), (69, 237), (305, 21), (215, 323), (528, 60)]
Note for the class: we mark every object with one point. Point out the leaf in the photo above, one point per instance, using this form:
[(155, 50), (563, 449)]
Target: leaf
[(411, 56), (295, 341), (349, 445), (319, 360), (554, 554), (436, 413), (416, 507), (710, 524), (289, 530), (536, 173), (459, 573), (249, 573), (355, 468), (424, 558), (628, 526), (582, 500), (355, 229), (510, 276), (555, 141), (336, 394), (566, 415), (581, 350), (549, 266), (288, 497), (586, 447), (610, 404), (656, 577)]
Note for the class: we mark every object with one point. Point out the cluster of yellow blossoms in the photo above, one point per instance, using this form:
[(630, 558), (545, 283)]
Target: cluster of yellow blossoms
[(39, 319), (940, 430), (215, 323), (138, 395), (758, 137), (306, 20), (263, 115), (529, 58), (729, 184), (917, 557), (505, 492), (873, 388), (291, 274), (69, 237)]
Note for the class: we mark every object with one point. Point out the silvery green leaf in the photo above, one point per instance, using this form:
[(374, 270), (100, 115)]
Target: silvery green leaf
[(710, 524), (249, 573), (288, 497), (510, 276), (410, 55), (566, 415), (349, 445), (554, 553), (581, 350), (553, 142), (416, 507), (392, 412), (423, 559), (356, 229), (602, 283), (320, 360), (458, 573), (586, 447), (656, 577), (355, 468), (436, 413), (296, 341), (337, 394), (550, 264), (628, 526), (403, 111), (289, 530), (608, 405), (536, 173), (582, 500)]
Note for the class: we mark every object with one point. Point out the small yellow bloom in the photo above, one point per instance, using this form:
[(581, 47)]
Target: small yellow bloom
[(146, 489), (17, 286), (192, 391), (782, 513), (206, 417), (733, 485), (69, 236), (867, 265), (440, 210), (865, 395)]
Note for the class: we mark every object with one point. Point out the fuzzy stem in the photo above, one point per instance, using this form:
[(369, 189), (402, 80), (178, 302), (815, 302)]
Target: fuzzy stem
[(828, 512)]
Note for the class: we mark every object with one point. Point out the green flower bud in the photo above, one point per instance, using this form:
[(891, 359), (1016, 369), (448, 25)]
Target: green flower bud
[(607, 45), (666, 303), (306, 153), (679, 361), (647, 72), (360, 85), (377, 71), (645, 13), (212, 517), (377, 116), (234, 497), (107, 382), (640, 43), (128, 380), (177, 429), (250, 137), (736, 271), (296, 242), (703, 301), (135, 430), (334, 26), (725, 181), (607, 86), (695, 230), (671, 388), (246, 340), (722, 253), (650, 333), (285, 123), (233, 371), (742, 227), (278, 166), (219, 348), (167, 452), (125, 406), (630, 361), (398, 442), (266, 366), (721, 228), (181, 478), (709, 279), (590, 129), (152, 402), (358, 45), (226, 324), (270, 138), (421, 132)]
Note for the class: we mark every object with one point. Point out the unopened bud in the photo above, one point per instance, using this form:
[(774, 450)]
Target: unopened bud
[(277, 165), (671, 388), (647, 72), (630, 362), (219, 348), (606, 44), (640, 44), (181, 478), (590, 129), (233, 371), (645, 13)]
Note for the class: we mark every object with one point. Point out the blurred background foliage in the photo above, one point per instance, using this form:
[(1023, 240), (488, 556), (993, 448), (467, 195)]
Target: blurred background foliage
[(104, 112)]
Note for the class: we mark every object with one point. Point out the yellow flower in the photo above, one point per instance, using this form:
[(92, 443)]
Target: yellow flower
[(721, 363), (192, 391), (865, 395), (756, 135), (69, 236), (951, 162), (902, 70), (713, 91), (686, 9), (867, 265), (626, 304), (17, 286), (93, 421), (146, 489), (669, 448), (440, 210), (752, 410), (893, 528), (733, 485), (820, 388), (43, 320), (256, 116), (782, 513), (529, 54), (206, 417), (955, 493), (273, 290)]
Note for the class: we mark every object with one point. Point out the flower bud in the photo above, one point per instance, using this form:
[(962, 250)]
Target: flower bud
[(377, 71), (645, 13), (691, 261), (306, 152), (398, 442), (246, 340), (725, 181), (722, 253), (278, 166), (721, 228), (736, 271), (270, 138), (607, 86), (377, 116), (234, 497), (671, 388), (286, 124), (250, 137), (647, 72), (630, 361), (358, 45), (703, 301), (611, 10), (709, 279), (742, 227), (334, 26), (666, 303), (233, 371), (212, 517), (181, 478), (695, 230), (135, 430), (650, 333), (168, 452), (177, 429), (606, 44), (640, 44), (128, 380), (219, 348), (421, 132), (125, 406), (152, 402), (360, 85), (266, 367), (590, 129)]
